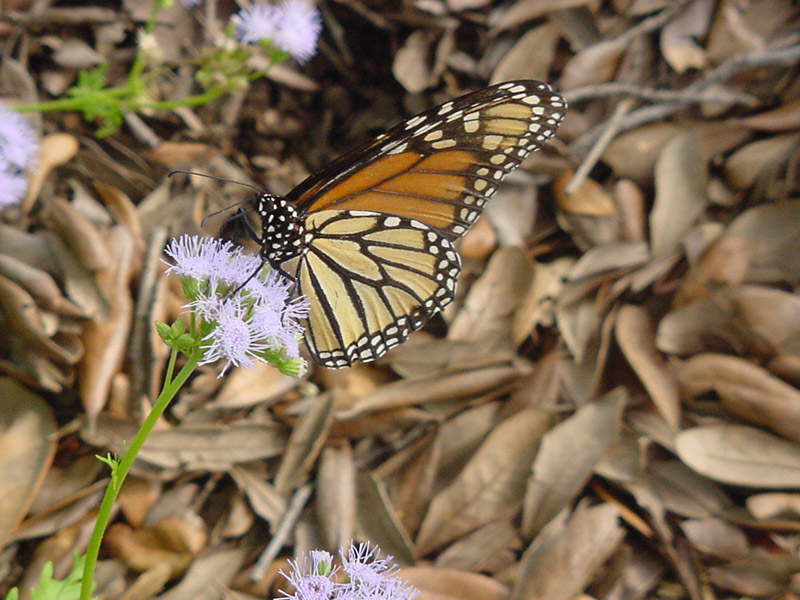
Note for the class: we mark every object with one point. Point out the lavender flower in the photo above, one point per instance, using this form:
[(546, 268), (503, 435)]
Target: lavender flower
[(299, 29), (248, 315), (293, 26), (18, 143), (18, 149), (313, 577), (367, 577), (256, 23), (373, 578)]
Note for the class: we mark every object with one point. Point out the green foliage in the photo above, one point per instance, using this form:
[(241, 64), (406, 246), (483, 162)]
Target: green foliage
[(96, 105), (175, 335), (52, 589)]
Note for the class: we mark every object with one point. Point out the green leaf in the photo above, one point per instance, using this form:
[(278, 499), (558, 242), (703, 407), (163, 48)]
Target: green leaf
[(175, 335), (13, 594), (52, 589)]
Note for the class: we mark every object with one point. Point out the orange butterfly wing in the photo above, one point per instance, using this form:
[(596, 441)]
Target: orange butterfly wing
[(441, 166)]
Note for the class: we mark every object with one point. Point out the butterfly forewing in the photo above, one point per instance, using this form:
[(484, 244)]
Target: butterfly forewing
[(371, 279), (441, 166)]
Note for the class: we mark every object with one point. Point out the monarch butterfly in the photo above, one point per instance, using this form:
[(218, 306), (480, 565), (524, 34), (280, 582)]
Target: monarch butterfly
[(374, 229)]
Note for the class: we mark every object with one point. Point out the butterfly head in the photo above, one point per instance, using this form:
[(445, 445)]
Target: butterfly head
[(282, 231)]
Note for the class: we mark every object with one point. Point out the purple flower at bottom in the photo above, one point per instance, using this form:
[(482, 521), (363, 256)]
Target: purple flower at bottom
[(367, 577), (312, 576)]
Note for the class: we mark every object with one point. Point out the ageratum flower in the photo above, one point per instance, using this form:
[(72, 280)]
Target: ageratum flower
[(18, 150), (18, 143), (247, 310), (292, 26), (366, 577)]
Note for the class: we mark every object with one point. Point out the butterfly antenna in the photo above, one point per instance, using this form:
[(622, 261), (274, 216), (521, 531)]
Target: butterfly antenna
[(225, 179), (239, 214)]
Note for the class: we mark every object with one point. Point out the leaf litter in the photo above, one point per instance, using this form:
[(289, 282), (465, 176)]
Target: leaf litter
[(610, 407)]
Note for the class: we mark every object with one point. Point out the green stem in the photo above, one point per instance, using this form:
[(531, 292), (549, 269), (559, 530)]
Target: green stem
[(112, 491), (196, 100)]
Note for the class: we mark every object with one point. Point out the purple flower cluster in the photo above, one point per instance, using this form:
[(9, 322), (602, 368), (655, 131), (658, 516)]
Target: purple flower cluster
[(249, 309), (366, 577), (18, 149), (292, 26)]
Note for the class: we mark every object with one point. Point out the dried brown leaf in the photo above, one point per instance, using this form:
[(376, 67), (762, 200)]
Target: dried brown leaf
[(740, 455), (724, 264), (106, 338), (716, 538), (39, 284), (636, 338), (681, 177), (774, 505), (55, 150), (379, 522), (594, 64), (743, 168), (748, 319), (489, 308), (486, 550), (489, 486), (207, 576), (566, 459), (745, 390), (213, 447), (760, 575), (772, 230), (589, 199), (608, 258), (531, 57), (526, 10), (305, 443), (245, 388), (411, 65), (27, 447), (80, 234), (630, 203), (263, 497), (566, 555), (450, 584), (784, 118), (142, 549), (336, 496), (537, 306), (32, 327), (633, 154), (678, 37), (433, 388)]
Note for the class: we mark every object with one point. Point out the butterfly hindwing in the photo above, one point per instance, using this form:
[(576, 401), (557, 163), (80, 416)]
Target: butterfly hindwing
[(370, 279), (441, 166)]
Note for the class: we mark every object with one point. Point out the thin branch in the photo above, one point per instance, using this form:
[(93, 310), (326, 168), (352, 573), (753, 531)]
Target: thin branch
[(649, 94), (282, 531), (773, 57), (611, 128)]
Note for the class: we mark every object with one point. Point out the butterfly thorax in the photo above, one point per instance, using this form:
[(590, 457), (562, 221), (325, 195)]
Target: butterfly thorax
[(282, 231)]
